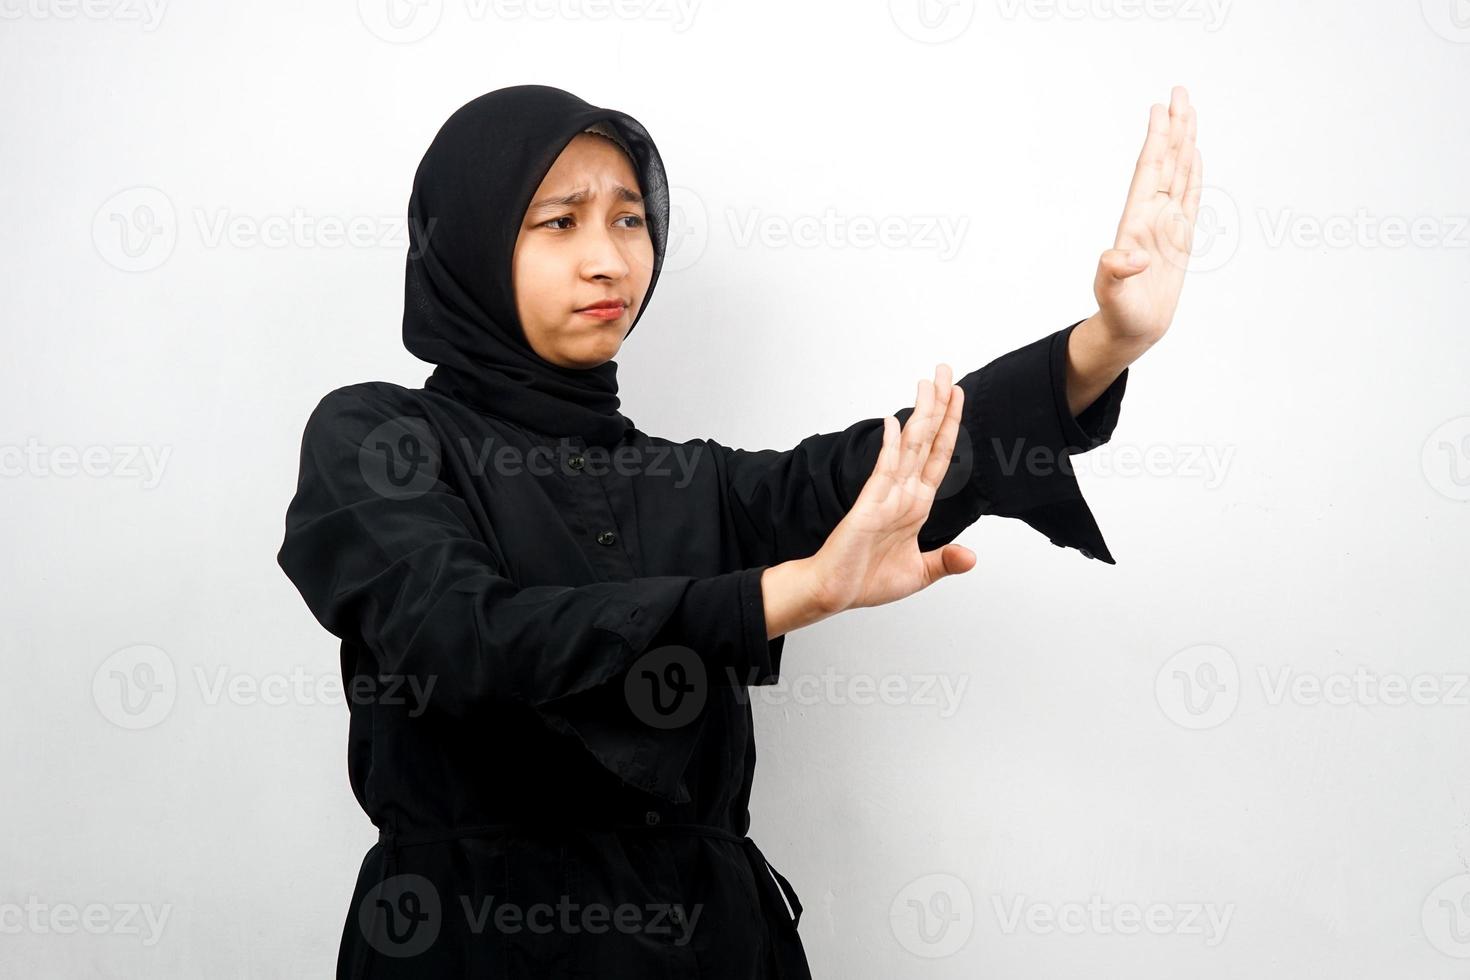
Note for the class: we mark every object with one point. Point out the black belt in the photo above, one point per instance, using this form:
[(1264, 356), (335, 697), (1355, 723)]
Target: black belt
[(791, 958)]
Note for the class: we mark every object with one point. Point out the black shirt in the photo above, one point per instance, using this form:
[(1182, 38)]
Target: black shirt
[(545, 643)]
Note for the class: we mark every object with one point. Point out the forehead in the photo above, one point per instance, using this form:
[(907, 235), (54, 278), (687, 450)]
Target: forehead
[(590, 160)]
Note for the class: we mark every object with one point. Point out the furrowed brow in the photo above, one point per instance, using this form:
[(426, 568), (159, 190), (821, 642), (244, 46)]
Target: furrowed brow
[(580, 196)]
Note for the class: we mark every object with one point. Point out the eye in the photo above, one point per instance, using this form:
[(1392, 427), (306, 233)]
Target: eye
[(552, 223)]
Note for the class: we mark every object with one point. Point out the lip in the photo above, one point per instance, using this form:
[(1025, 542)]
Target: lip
[(607, 309)]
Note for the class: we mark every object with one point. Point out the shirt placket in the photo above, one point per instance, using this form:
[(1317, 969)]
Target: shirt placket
[(601, 502)]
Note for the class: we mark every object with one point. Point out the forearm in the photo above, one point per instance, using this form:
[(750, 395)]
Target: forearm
[(790, 597), (1095, 358)]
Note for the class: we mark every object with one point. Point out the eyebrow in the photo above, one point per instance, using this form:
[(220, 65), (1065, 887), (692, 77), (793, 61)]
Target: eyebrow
[(580, 195)]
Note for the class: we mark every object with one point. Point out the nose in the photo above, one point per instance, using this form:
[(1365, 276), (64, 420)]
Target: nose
[(604, 257)]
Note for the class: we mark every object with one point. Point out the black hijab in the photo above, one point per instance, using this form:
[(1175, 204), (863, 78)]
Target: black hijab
[(470, 195)]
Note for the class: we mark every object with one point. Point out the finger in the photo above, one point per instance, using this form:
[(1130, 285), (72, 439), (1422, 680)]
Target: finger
[(949, 559), (1122, 263), (886, 465), (1150, 158), (1196, 184), (1178, 107), (938, 409), (949, 429), (918, 433), (1186, 159)]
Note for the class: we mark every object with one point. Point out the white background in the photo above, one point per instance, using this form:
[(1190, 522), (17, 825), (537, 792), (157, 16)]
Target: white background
[(1318, 357)]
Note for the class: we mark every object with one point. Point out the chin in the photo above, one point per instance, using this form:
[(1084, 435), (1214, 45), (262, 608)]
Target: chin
[(593, 354)]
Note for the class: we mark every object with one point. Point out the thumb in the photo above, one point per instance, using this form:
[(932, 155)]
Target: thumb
[(951, 559), (1121, 263)]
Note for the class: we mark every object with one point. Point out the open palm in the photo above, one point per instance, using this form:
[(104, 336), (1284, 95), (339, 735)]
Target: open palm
[(872, 556), (1139, 281)]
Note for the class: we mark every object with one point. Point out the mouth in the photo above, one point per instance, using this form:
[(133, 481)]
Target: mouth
[(607, 309)]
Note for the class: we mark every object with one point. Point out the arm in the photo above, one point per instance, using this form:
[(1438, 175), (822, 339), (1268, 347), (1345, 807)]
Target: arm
[(1095, 359), (405, 577), (785, 504)]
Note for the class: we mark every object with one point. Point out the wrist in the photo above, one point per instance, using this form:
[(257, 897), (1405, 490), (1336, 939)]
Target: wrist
[(792, 597), (1107, 346)]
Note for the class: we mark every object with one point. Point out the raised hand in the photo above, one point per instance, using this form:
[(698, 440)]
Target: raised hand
[(1139, 280), (872, 556)]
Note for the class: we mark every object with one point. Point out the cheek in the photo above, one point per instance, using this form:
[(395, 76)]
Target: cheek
[(640, 262), (536, 292)]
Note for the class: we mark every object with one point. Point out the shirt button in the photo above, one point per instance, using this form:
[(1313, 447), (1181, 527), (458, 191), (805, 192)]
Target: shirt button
[(606, 537), (651, 818), (576, 462)]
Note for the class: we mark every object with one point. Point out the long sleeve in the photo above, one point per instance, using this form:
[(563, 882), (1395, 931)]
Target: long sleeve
[(403, 574), (1011, 460)]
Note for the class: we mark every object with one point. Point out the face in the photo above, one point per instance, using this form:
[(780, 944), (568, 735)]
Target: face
[(584, 240)]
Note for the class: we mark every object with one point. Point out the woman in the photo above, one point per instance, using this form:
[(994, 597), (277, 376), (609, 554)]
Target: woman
[(548, 618)]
